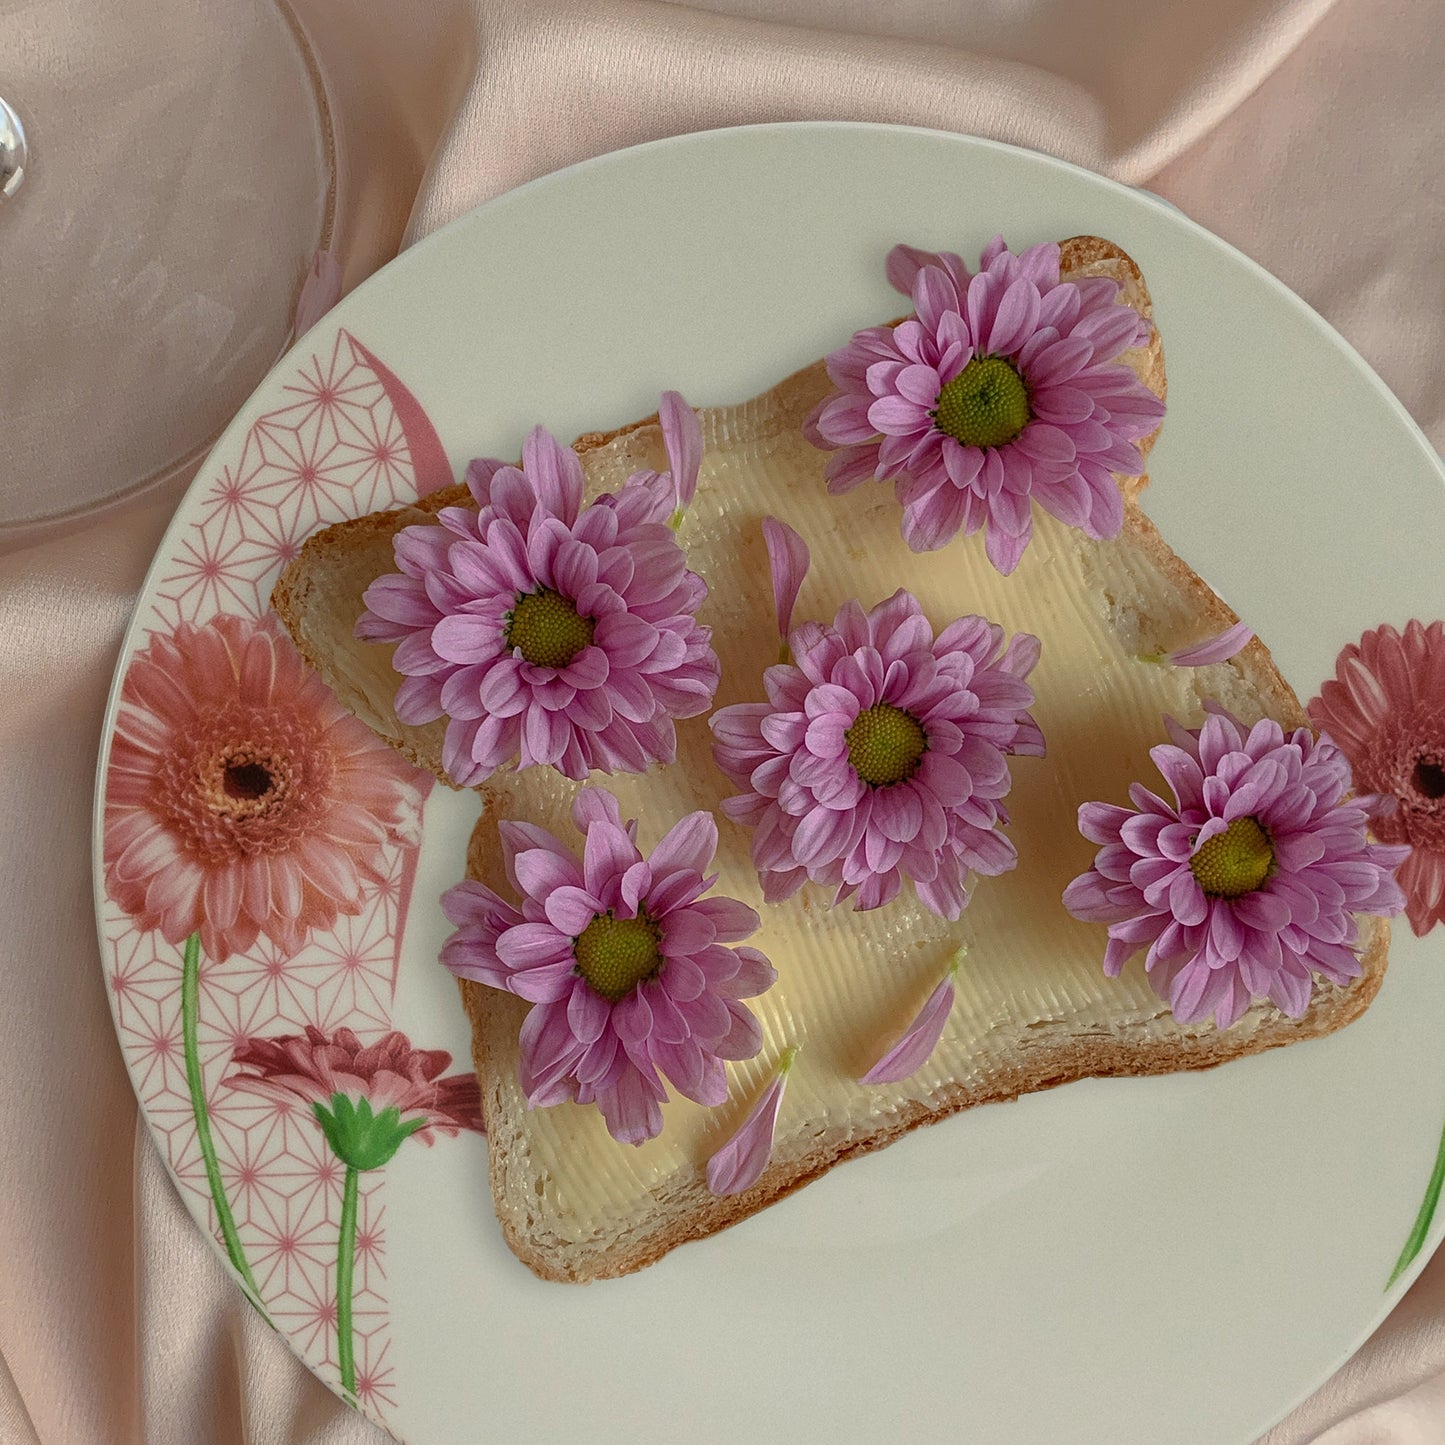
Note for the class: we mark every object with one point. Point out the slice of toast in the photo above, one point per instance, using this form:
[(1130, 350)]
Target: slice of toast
[(1033, 1009)]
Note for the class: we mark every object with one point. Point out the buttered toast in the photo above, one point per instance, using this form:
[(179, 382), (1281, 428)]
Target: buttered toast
[(1033, 1008)]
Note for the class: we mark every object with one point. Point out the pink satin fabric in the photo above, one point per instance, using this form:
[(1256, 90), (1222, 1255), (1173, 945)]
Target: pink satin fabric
[(1304, 132)]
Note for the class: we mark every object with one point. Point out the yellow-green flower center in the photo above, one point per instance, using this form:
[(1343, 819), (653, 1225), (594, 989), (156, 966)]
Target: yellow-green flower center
[(548, 629), (985, 405), (885, 745), (614, 955), (1234, 862)]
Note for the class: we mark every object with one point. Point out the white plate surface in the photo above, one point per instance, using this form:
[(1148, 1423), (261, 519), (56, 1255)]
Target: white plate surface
[(1178, 1259)]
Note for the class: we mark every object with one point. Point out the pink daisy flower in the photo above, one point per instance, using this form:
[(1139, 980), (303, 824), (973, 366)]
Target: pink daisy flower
[(549, 632), (241, 798), (628, 966), (881, 754), (1002, 389), (1385, 707), (1246, 885)]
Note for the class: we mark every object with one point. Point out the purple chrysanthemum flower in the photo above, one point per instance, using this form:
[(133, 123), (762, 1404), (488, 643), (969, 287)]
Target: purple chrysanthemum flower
[(882, 754), (547, 631), (1247, 884), (626, 963), (1002, 389)]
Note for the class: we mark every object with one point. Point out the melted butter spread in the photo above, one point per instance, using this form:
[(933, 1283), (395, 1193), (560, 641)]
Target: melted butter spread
[(849, 982)]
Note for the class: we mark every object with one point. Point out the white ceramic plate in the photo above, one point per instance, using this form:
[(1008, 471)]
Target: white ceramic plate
[(1179, 1258)]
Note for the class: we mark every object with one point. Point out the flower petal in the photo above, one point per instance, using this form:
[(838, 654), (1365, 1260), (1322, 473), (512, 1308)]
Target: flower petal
[(740, 1163), (788, 562), (682, 436), (918, 1041), (1219, 648), (555, 474), (689, 845)]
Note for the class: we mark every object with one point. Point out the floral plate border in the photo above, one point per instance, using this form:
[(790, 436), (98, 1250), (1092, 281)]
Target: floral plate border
[(247, 1054)]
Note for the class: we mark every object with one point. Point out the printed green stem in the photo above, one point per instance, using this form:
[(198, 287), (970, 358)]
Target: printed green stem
[(1423, 1218), (345, 1265), (190, 1014)]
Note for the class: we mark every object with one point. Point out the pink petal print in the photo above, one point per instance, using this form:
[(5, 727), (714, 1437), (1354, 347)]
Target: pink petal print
[(319, 293), (788, 558), (682, 436), (1219, 648), (429, 462), (919, 1039), (739, 1164)]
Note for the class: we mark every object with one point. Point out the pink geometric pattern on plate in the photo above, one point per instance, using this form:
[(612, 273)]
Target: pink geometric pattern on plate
[(348, 439)]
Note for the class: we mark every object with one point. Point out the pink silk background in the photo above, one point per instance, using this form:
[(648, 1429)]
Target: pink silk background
[(1305, 132)]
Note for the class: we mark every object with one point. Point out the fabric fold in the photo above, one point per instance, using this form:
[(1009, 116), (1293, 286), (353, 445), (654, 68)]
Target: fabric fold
[(1266, 120)]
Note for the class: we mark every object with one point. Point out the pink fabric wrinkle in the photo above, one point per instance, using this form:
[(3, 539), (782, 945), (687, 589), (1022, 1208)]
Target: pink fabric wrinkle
[(1264, 121)]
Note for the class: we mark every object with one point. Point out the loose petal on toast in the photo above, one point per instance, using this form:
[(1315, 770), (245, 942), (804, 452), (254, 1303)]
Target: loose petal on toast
[(788, 560), (921, 1037), (739, 1164), (1219, 648), (682, 436), (675, 488)]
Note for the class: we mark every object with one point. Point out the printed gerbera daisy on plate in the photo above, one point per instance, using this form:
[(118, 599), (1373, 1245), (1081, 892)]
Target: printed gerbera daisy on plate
[(385, 1092), (1385, 707), (634, 971), (1003, 389), (241, 799), (882, 751), (1247, 884), (546, 631)]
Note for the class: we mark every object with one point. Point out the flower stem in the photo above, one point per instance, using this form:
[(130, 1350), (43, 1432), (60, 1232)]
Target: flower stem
[(190, 1014), (1423, 1218), (345, 1264)]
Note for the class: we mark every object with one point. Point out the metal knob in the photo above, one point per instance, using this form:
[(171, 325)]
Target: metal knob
[(13, 151)]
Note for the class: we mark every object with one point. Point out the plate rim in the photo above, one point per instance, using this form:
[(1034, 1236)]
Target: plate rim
[(133, 636)]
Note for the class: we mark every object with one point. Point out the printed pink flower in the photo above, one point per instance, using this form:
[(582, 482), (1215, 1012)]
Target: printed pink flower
[(1385, 707), (882, 754), (740, 1163), (315, 1067), (241, 798), (369, 1100), (1247, 884), (1002, 389), (626, 963), (547, 631)]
